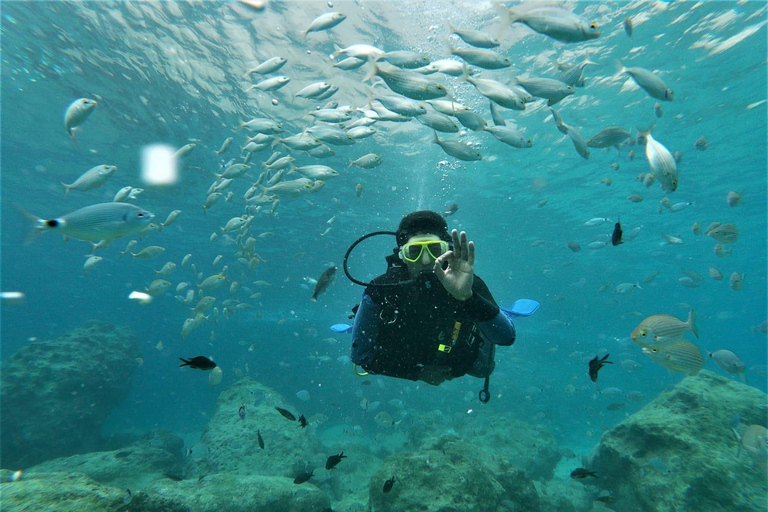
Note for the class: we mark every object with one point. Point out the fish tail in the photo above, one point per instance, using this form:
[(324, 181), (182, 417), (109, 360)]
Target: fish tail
[(351, 163), (373, 72), (435, 140), (692, 323), (66, 188), (464, 72), (241, 126)]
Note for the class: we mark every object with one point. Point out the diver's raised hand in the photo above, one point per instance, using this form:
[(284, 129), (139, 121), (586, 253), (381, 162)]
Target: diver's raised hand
[(458, 276)]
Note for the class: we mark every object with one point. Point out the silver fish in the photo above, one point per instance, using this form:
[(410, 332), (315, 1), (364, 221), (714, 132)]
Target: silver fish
[(224, 146), (349, 63), (498, 120), (405, 59), (408, 83), (559, 122), (76, 114), (103, 221), (496, 92), (313, 90), (509, 135), (92, 178), (368, 161), (476, 38), (268, 66), (555, 22), (439, 122), (324, 282), (652, 84), (578, 141), (323, 22), (728, 361), (270, 84), (458, 150), (486, 59), (662, 163), (572, 75), (552, 90), (610, 136)]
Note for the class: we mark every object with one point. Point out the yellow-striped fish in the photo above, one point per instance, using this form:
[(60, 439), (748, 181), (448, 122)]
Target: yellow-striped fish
[(661, 330), (682, 356)]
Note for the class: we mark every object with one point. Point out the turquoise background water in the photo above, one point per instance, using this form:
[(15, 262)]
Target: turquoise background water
[(172, 73)]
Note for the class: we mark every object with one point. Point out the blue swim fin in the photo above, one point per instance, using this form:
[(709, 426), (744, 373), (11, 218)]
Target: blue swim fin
[(521, 307), (341, 328)]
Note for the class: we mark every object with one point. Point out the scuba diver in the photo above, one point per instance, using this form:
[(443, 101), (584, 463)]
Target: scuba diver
[(429, 317)]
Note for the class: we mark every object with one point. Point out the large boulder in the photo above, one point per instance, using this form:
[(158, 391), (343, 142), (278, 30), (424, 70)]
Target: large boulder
[(76, 492), (678, 453), (57, 393), (132, 467), (231, 443), (451, 475)]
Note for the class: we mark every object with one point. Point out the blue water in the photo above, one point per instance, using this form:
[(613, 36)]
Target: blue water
[(175, 76)]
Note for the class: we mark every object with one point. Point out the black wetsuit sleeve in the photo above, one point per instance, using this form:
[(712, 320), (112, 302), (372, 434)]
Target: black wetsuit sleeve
[(496, 326), (481, 306)]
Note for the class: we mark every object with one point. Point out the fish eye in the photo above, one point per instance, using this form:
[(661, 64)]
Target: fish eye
[(593, 25)]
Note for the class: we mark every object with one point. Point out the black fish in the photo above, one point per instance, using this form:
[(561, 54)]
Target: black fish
[(261, 441), (241, 412), (286, 414), (198, 363), (323, 283), (595, 365), (580, 473), (302, 421), (333, 460), (388, 484), (617, 234), (303, 477)]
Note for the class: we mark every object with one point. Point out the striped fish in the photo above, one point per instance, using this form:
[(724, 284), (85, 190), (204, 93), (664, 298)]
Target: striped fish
[(682, 356)]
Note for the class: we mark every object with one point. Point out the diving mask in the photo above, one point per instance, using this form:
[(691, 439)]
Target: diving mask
[(413, 251)]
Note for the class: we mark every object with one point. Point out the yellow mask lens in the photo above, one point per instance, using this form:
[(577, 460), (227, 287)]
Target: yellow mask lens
[(413, 251)]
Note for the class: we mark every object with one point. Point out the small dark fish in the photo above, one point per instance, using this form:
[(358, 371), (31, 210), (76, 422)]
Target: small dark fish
[(580, 473), (198, 363), (595, 365), (617, 234), (451, 208), (123, 454), (303, 421), (365, 383), (701, 144), (127, 497), (286, 414), (605, 499), (388, 484), (303, 477), (241, 412), (261, 441), (324, 282), (333, 460), (616, 406), (175, 478), (628, 26)]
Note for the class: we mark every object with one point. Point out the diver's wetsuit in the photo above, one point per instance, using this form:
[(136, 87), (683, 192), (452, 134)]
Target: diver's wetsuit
[(400, 329)]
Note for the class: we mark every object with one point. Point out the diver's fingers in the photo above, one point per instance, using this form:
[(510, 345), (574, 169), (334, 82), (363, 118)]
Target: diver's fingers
[(456, 244), (471, 253), (464, 247), (438, 265)]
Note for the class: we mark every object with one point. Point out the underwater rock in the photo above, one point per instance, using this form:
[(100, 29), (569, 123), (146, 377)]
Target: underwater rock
[(232, 444), (132, 467), (57, 393), (678, 453), (449, 475), (241, 493), (76, 492)]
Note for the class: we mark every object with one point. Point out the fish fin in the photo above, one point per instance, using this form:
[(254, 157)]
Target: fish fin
[(619, 68), (692, 323), (351, 163), (435, 140)]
